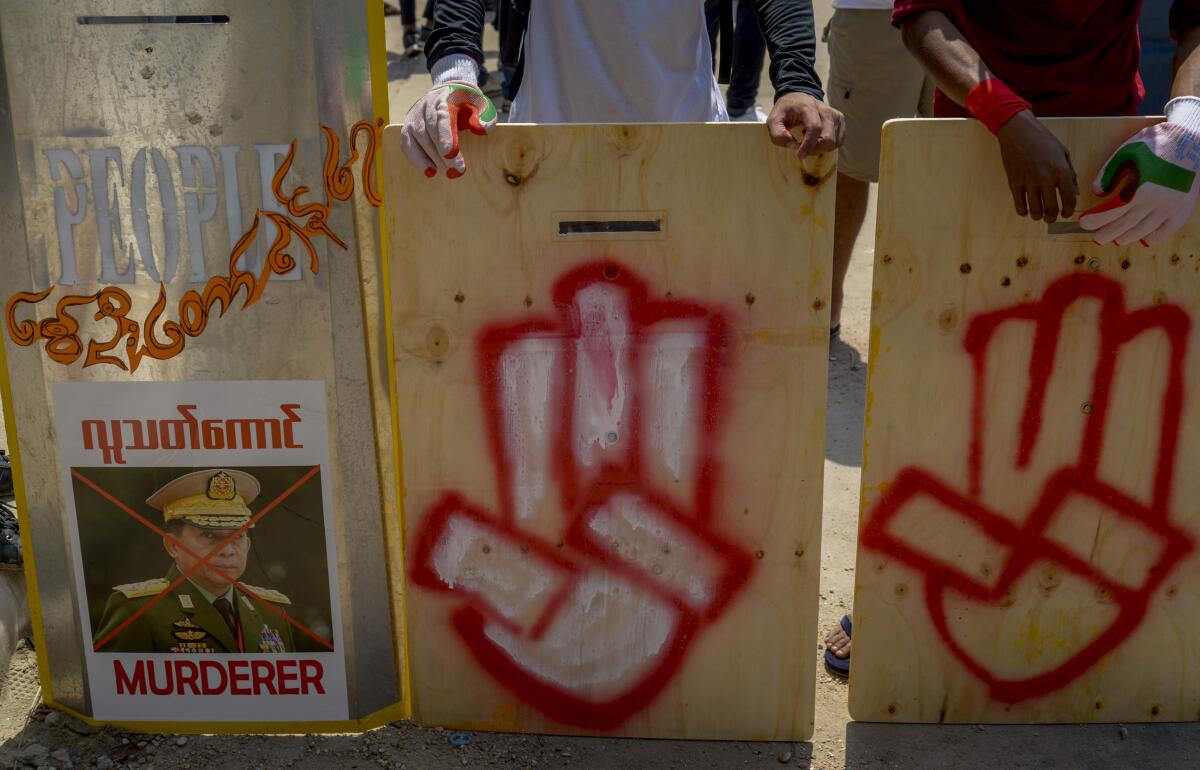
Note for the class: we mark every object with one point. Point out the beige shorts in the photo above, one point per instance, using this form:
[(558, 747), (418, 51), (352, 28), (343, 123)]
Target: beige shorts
[(872, 79)]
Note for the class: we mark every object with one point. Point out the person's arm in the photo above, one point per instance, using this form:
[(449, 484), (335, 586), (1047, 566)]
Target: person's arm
[(1154, 173), (1185, 28), (1037, 165), (788, 28), (457, 31), (951, 62), (454, 54)]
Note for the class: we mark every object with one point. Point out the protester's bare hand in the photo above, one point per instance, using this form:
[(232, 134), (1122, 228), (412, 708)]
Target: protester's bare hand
[(1039, 169), (824, 127)]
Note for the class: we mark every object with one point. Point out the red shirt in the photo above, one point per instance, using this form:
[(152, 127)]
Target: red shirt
[(1065, 57)]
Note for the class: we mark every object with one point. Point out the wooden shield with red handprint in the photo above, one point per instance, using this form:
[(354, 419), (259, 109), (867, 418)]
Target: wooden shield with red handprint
[(589, 626), (611, 386), (1028, 539)]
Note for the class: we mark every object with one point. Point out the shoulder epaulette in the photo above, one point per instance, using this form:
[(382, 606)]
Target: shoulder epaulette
[(269, 594), (144, 588)]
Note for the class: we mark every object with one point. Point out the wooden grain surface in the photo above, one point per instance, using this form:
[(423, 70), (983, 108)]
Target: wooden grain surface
[(675, 593), (1029, 509)]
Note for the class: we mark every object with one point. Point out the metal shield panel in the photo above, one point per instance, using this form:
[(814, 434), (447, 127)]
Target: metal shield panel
[(136, 152)]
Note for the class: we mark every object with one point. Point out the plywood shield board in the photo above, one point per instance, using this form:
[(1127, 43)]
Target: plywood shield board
[(611, 350), (1028, 549)]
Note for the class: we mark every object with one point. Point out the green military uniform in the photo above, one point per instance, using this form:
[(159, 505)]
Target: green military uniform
[(185, 621)]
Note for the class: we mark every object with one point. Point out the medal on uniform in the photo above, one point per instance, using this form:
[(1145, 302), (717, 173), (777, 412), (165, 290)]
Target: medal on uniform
[(192, 647), (188, 631), (270, 640)]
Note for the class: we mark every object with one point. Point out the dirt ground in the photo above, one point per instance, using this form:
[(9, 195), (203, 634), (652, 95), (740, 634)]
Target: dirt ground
[(35, 737)]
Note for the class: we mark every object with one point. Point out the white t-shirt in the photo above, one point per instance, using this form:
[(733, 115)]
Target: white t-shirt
[(865, 5), (617, 61)]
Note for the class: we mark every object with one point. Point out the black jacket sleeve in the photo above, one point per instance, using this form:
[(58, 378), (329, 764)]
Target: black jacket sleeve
[(791, 40), (457, 28), (1185, 15), (787, 25)]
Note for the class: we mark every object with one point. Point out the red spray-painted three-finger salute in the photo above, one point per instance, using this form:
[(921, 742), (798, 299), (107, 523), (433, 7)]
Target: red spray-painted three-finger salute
[(583, 592)]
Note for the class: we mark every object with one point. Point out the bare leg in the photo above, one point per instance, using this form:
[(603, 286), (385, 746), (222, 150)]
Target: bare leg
[(850, 209)]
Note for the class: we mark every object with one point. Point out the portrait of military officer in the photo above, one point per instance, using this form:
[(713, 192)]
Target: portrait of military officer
[(205, 612)]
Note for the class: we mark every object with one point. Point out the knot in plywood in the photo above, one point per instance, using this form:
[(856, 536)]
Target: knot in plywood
[(519, 156), (431, 339)]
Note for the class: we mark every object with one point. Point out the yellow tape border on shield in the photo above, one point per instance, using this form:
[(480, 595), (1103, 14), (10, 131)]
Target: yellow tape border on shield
[(377, 47), (384, 716), (396, 566)]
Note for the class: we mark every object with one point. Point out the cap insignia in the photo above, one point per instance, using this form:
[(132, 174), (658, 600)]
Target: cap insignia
[(221, 487)]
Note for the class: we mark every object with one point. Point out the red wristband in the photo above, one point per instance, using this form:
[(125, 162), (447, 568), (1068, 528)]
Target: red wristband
[(993, 103)]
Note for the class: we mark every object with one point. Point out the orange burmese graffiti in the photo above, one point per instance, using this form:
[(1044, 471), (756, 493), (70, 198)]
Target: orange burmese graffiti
[(302, 223)]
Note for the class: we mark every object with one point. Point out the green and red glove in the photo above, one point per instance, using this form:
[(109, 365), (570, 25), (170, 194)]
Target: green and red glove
[(430, 134), (1154, 176)]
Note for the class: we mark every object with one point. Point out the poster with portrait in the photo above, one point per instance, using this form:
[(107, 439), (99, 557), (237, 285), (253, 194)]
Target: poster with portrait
[(201, 525)]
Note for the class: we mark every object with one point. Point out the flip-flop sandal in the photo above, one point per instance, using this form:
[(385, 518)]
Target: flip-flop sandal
[(839, 667)]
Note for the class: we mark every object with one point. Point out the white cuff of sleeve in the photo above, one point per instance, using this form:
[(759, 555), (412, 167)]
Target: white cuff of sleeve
[(455, 68), (1184, 111)]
